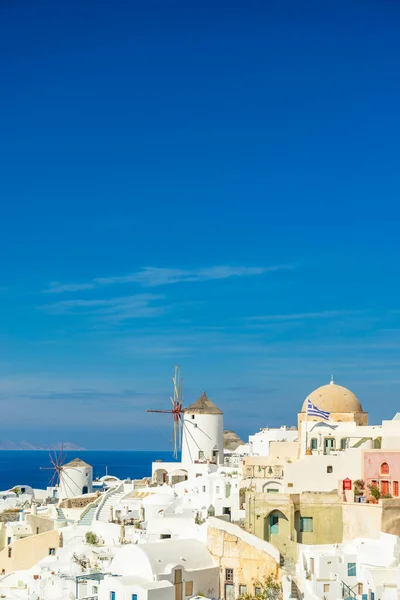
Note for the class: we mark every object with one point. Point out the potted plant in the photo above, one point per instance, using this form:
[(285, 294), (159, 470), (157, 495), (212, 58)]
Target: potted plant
[(359, 487)]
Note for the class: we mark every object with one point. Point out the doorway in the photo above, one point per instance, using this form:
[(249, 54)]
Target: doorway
[(229, 591), (329, 445), (178, 584)]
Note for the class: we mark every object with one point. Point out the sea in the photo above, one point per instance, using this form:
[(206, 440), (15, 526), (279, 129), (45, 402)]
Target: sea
[(33, 467)]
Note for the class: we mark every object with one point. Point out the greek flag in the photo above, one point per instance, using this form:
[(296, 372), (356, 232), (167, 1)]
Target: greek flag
[(313, 411)]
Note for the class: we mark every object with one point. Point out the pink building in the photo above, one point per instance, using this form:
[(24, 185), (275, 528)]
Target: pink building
[(382, 470)]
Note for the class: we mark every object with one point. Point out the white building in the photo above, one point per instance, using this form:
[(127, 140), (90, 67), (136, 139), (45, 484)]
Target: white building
[(76, 479), (167, 570), (203, 433), (259, 443), (363, 568)]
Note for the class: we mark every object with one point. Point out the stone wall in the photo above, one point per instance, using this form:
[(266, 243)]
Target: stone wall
[(80, 501), (250, 558), (7, 516)]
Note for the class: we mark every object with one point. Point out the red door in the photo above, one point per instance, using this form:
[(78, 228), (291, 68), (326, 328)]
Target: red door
[(384, 487)]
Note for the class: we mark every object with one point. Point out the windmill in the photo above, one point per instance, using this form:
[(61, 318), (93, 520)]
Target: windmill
[(60, 475), (57, 460), (176, 411)]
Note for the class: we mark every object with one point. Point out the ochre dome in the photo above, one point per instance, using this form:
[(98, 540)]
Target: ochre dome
[(334, 398)]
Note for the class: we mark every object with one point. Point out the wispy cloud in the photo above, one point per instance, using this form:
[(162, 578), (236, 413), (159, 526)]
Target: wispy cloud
[(111, 309), (155, 276), (325, 314)]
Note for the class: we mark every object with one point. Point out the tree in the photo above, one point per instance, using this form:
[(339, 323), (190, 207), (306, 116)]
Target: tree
[(269, 589), (91, 538)]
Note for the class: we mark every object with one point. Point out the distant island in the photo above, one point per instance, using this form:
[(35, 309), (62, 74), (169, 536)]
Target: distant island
[(24, 445)]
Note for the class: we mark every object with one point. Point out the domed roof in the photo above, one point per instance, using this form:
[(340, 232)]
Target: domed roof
[(334, 398)]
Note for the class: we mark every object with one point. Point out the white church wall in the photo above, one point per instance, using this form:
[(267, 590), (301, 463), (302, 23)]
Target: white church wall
[(322, 473)]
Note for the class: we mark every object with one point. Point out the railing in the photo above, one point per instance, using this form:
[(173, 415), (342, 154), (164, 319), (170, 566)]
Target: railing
[(345, 588), (89, 506)]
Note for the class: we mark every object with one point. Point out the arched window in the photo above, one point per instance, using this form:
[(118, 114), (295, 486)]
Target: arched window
[(384, 468)]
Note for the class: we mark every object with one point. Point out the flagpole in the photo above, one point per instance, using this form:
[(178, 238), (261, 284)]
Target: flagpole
[(306, 425)]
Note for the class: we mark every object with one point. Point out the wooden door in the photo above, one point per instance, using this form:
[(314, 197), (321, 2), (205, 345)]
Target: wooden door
[(384, 487), (178, 584)]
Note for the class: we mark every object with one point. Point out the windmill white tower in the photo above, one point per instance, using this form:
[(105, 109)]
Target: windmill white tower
[(203, 432), (76, 478)]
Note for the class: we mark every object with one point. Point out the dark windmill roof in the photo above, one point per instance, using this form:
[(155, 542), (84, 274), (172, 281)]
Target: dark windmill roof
[(203, 406)]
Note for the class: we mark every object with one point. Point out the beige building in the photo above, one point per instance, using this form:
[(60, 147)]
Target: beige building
[(285, 520), (244, 560), (24, 553)]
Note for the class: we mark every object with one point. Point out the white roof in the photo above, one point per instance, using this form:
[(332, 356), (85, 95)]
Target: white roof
[(132, 580), (384, 577), (157, 558)]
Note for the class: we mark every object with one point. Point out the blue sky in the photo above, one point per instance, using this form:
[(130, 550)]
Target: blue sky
[(212, 184)]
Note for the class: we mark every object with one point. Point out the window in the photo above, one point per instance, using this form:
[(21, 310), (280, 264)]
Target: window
[(22, 490), (374, 483), (359, 589), (9, 552), (95, 589), (192, 416), (314, 443), (228, 574), (272, 491), (204, 488), (384, 468), (257, 591), (8, 541), (189, 588), (217, 489), (326, 588), (329, 469), (306, 524), (134, 596), (343, 443), (351, 569), (52, 551), (201, 455), (395, 488), (112, 595), (242, 589), (37, 530)]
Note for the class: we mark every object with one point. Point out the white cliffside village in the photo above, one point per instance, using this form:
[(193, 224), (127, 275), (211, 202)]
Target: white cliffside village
[(309, 512)]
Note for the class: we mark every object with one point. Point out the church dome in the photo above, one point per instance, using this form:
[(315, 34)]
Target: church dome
[(334, 398)]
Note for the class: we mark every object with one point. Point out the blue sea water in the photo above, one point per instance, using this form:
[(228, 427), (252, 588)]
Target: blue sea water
[(25, 467)]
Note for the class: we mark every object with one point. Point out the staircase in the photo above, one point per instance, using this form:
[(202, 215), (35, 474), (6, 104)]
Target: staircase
[(87, 517), (112, 499), (60, 515), (294, 590)]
